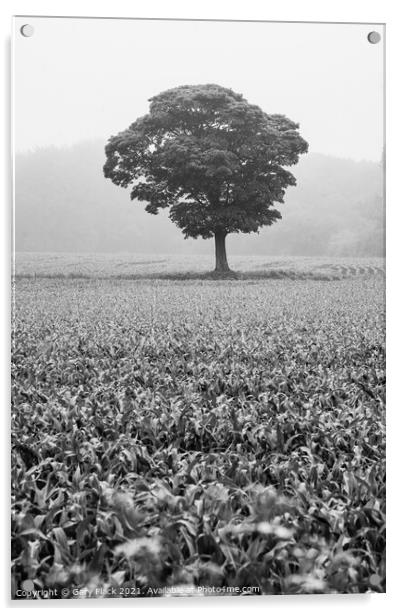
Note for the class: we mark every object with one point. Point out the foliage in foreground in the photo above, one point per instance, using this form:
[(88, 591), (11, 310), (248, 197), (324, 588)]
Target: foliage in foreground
[(209, 434)]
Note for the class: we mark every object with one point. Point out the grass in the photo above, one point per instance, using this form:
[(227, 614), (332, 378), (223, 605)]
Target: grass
[(198, 433), (189, 267)]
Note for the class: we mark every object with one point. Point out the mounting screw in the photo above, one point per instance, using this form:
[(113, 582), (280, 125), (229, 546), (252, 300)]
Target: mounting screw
[(26, 30), (374, 37)]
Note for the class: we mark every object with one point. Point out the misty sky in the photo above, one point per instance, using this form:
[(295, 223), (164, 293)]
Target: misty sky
[(78, 79)]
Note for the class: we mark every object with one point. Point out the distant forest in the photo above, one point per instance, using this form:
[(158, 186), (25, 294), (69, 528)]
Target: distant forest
[(64, 204)]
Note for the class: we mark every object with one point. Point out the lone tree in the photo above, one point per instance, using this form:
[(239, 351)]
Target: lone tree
[(211, 157)]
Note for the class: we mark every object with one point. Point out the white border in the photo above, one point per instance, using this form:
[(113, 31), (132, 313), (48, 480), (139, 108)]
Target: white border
[(378, 11)]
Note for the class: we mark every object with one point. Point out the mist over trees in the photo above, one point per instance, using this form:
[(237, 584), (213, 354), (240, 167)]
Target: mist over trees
[(64, 204)]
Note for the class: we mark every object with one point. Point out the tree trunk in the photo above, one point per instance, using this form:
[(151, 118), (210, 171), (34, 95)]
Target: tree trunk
[(220, 252)]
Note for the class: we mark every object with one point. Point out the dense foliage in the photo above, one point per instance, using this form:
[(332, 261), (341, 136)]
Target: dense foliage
[(210, 434), (216, 161)]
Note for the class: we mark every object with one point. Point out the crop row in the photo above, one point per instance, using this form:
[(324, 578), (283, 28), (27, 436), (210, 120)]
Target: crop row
[(198, 434)]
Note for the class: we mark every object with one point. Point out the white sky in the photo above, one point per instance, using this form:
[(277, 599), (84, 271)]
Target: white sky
[(78, 79)]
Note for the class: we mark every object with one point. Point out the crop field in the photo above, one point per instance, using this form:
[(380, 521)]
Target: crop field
[(172, 267), (198, 436)]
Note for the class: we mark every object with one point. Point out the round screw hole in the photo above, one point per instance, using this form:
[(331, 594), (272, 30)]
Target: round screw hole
[(26, 30), (374, 37)]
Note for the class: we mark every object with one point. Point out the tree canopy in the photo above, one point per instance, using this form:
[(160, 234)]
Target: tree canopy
[(215, 160)]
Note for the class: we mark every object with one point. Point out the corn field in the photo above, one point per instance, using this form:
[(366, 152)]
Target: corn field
[(198, 435)]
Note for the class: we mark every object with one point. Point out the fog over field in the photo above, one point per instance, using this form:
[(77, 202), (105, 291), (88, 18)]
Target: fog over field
[(64, 204), (66, 112)]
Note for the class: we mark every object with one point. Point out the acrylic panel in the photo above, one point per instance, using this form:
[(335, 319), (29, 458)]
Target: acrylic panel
[(198, 357)]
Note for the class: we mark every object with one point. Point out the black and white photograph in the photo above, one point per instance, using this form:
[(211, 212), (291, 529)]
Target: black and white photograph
[(198, 308)]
